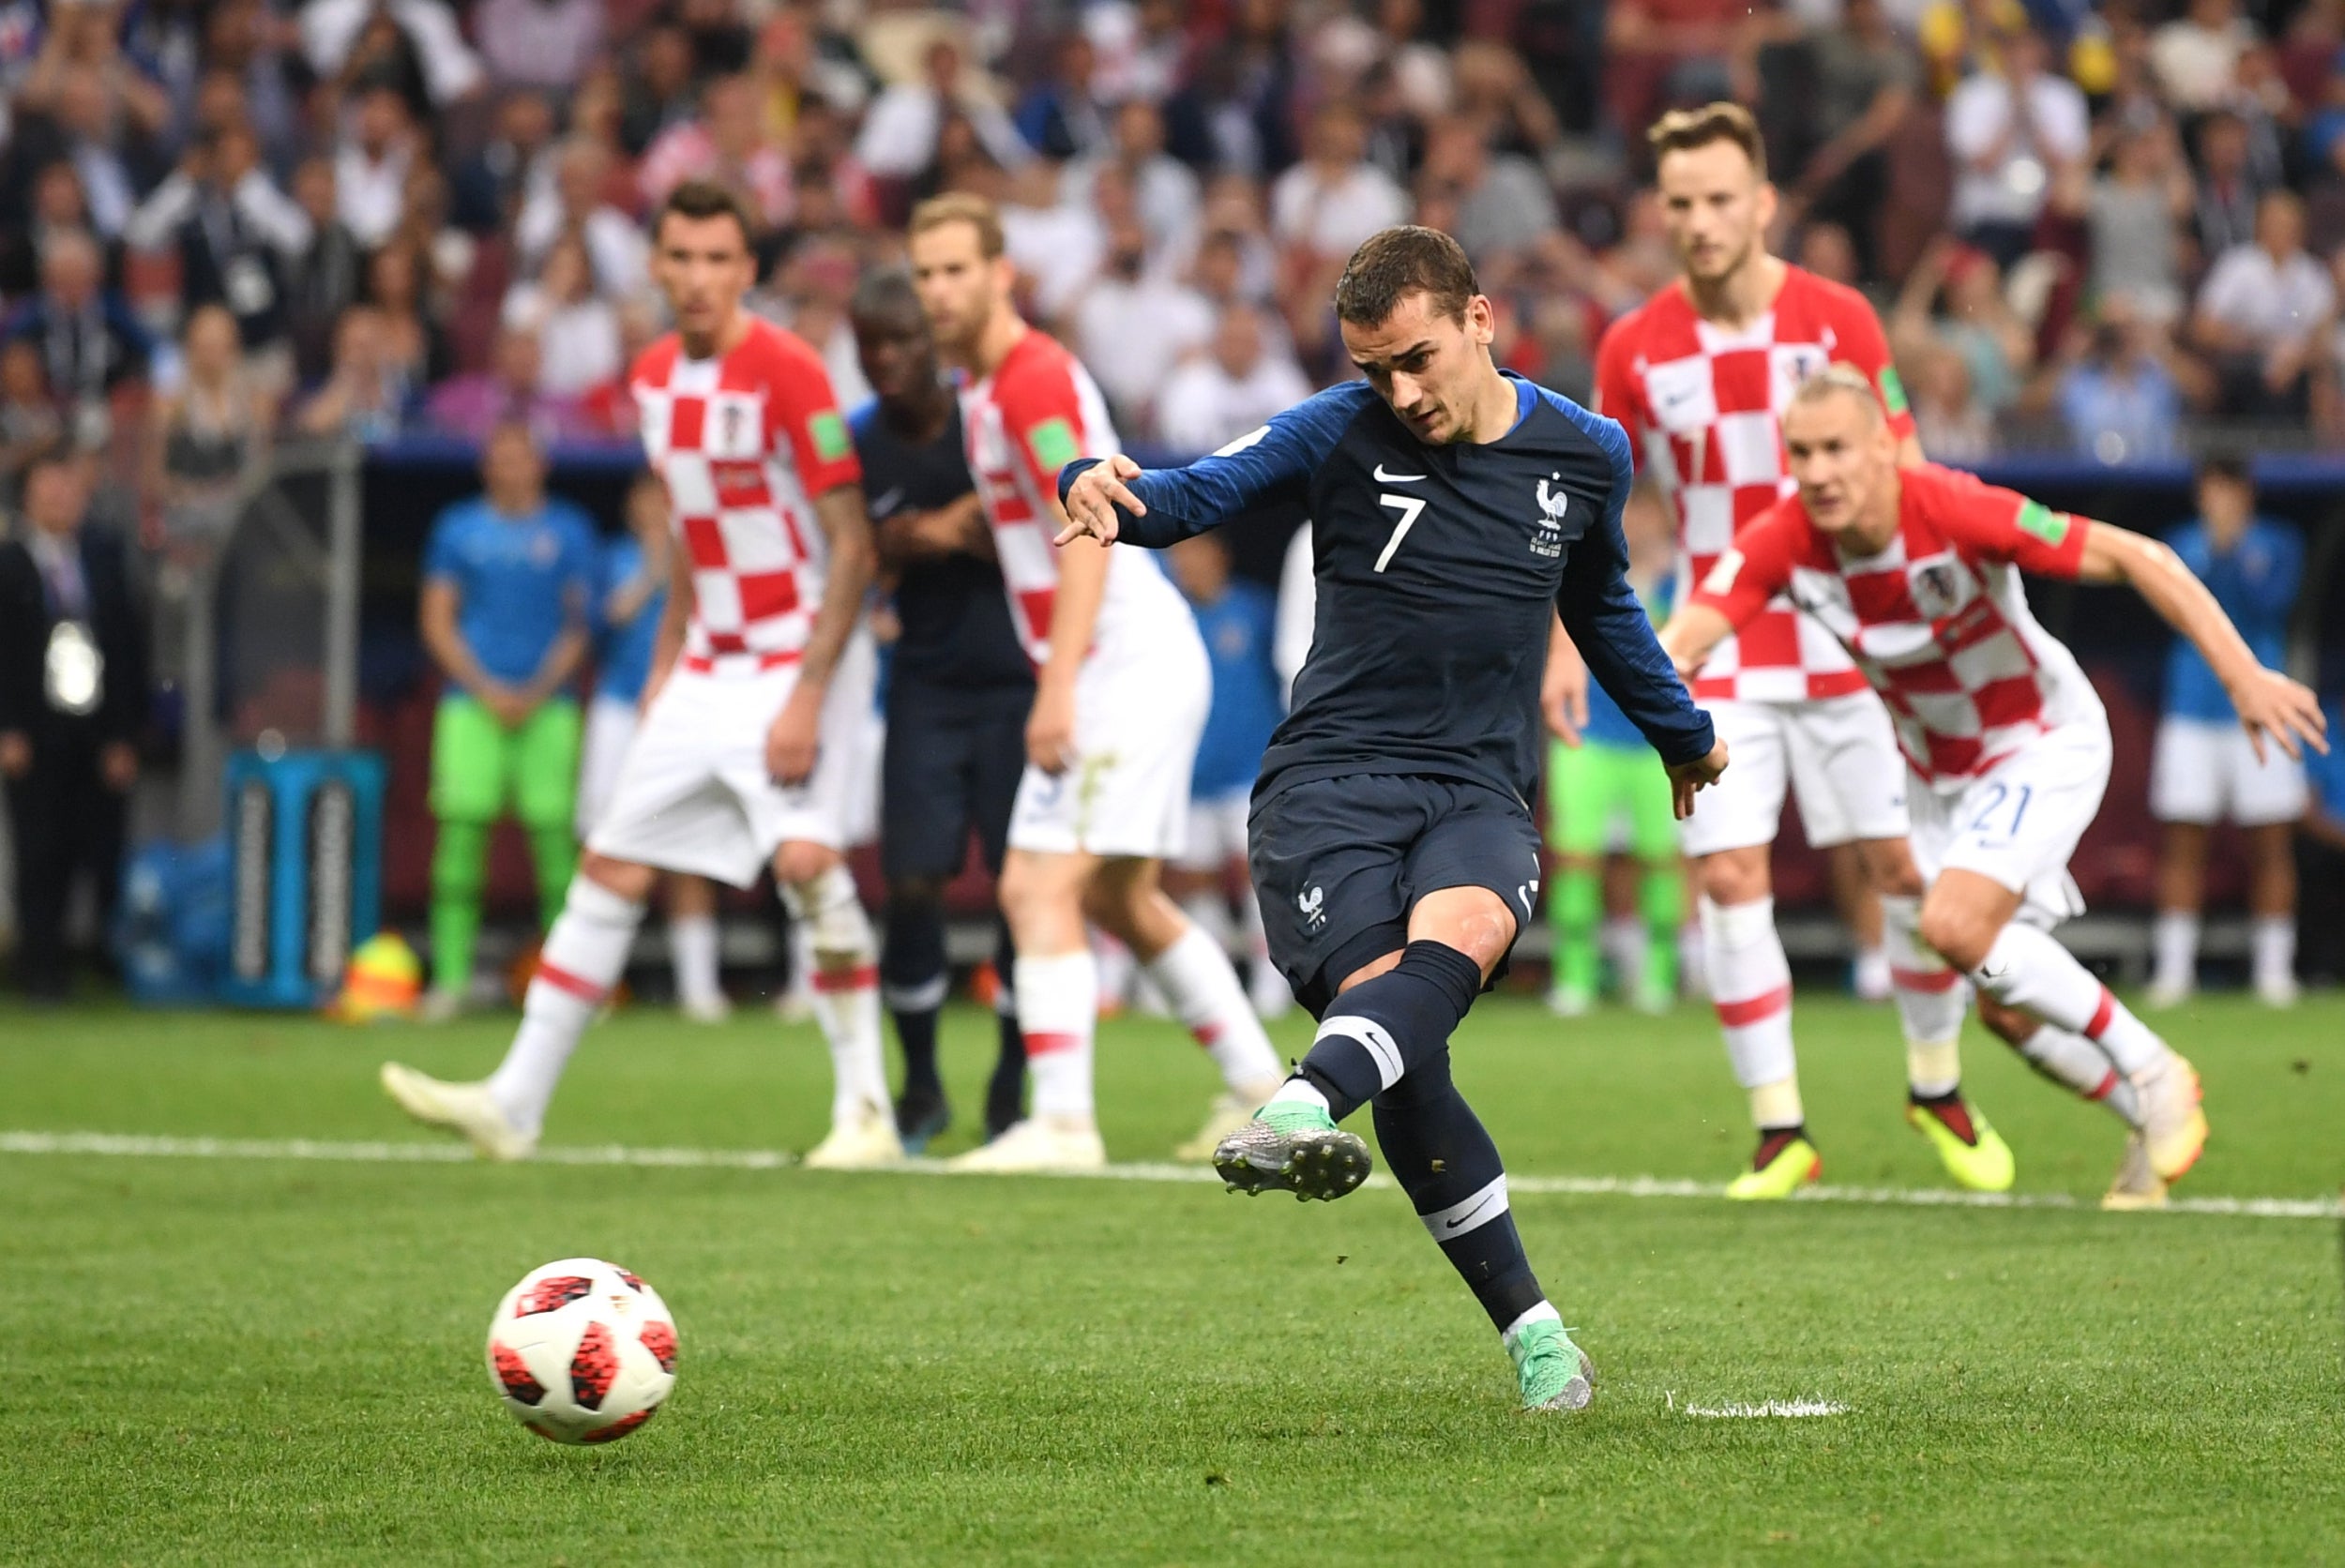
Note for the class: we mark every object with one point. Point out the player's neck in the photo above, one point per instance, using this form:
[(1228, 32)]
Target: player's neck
[(1879, 524), (993, 343), (515, 507), (720, 343), (1495, 409), (919, 417), (1743, 295)]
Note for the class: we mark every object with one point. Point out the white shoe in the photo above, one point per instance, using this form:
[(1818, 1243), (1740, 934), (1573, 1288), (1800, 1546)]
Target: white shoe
[(705, 1009), (2278, 990), (2135, 1185), (1036, 1146), (1570, 1002), (439, 1006), (462, 1108), (795, 1006), (1232, 1109), (2173, 1127), (864, 1143), (2167, 994)]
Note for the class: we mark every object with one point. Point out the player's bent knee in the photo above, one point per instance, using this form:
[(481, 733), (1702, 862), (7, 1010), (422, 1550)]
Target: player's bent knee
[(1958, 933), (1474, 920), (630, 880), (1734, 877), (800, 862)]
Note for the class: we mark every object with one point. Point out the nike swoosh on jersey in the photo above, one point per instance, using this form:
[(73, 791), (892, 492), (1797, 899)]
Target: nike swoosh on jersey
[(1384, 479)]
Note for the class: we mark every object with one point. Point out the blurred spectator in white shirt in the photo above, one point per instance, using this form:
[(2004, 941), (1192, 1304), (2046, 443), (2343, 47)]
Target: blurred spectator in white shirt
[(1055, 243), (1218, 395), (370, 168), (2259, 311), (1335, 199), (900, 131), (2196, 56), (1134, 324), (1162, 185), (577, 330), (2011, 132), (615, 242), (330, 30), (539, 43)]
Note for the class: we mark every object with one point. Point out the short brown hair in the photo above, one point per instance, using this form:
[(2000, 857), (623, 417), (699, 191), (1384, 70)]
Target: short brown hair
[(697, 199), (1393, 263), (1684, 129), (960, 206)]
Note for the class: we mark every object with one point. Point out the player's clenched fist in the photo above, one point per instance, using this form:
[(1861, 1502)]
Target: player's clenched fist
[(1095, 495)]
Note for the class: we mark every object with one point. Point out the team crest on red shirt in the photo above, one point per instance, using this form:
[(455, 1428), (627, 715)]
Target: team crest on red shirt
[(1939, 586)]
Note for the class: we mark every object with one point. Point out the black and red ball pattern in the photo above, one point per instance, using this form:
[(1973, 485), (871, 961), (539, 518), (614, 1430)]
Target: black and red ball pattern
[(659, 1339), (551, 1293), (514, 1373), (620, 1427), (594, 1367)]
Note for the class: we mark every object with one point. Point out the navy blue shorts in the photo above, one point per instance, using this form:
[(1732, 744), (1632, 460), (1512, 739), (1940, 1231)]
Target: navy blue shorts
[(1338, 862), (952, 768)]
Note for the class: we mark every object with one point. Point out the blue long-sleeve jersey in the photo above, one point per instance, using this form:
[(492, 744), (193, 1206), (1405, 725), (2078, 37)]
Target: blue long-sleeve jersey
[(1437, 566)]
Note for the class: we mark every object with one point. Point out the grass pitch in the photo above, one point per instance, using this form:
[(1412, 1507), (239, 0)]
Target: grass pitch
[(225, 1360)]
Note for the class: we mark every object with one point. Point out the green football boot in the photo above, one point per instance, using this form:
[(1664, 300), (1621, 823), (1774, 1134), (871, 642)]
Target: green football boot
[(1553, 1373), (1292, 1147), (1973, 1154)]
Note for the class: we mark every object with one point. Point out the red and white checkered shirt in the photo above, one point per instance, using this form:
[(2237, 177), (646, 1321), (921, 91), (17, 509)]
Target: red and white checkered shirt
[(1703, 407), (743, 442), (1037, 413), (1938, 620)]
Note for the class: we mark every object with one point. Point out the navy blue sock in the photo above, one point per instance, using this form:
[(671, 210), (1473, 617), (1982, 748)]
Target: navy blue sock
[(914, 981), (1006, 1096), (1377, 1031), (1437, 1150)]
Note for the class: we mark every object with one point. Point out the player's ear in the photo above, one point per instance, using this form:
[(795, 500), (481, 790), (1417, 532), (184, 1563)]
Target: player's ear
[(1481, 320), (1765, 205)]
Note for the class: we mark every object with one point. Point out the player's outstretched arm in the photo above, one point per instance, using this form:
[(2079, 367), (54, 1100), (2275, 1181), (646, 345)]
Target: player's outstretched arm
[(1693, 631), (1115, 499), (1608, 623), (2270, 704)]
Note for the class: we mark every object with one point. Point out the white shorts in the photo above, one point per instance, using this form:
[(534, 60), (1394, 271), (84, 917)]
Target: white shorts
[(2204, 771), (694, 794), (1837, 754), (1217, 831), (610, 731), (2018, 823), (1139, 715)]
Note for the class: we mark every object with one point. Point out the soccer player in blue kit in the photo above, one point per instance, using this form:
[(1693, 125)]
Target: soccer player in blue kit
[(1457, 511)]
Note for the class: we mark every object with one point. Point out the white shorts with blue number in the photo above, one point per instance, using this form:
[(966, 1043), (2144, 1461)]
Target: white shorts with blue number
[(2018, 823)]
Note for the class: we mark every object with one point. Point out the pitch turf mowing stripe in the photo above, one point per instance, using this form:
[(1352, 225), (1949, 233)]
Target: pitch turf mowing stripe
[(136, 1145)]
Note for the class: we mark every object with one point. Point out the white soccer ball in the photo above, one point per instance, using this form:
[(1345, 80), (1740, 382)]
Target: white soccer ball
[(582, 1351)]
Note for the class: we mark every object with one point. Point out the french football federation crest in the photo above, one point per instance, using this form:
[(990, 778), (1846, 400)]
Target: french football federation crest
[(1547, 532)]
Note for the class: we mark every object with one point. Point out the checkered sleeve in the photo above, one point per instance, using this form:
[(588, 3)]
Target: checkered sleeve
[(803, 421), (1997, 525), (1042, 415), (1759, 566)]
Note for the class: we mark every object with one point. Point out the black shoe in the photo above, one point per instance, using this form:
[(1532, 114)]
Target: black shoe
[(921, 1115)]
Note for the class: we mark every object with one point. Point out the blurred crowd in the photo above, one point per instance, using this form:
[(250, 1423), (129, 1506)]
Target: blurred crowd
[(229, 220)]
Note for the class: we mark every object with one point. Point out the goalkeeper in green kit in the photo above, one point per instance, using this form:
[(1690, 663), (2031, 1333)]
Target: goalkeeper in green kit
[(509, 580), (1606, 789)]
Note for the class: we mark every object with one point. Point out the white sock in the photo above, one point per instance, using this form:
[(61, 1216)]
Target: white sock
[(1623, 939), (1751, 985), (693, 944), (1058, 1007), (1195, 976), (2175, 942), (1777, 1105), (1543, 1313), (845, 990), (2274, 942), (1114, 968), (1871, 976), (1210, 912), (1930, 998), (1693, 972), (582, 958), (1300, 1091), (2076, 1062), (2026, 968)]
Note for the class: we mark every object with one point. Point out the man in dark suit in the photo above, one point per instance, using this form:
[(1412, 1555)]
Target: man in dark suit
[(74, 695)]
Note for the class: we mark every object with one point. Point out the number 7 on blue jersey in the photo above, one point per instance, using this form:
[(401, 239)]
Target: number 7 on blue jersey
[(1408, 506)]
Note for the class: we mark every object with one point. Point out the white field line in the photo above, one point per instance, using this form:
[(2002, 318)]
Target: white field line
[(136, 1146), (1775, 1409)]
